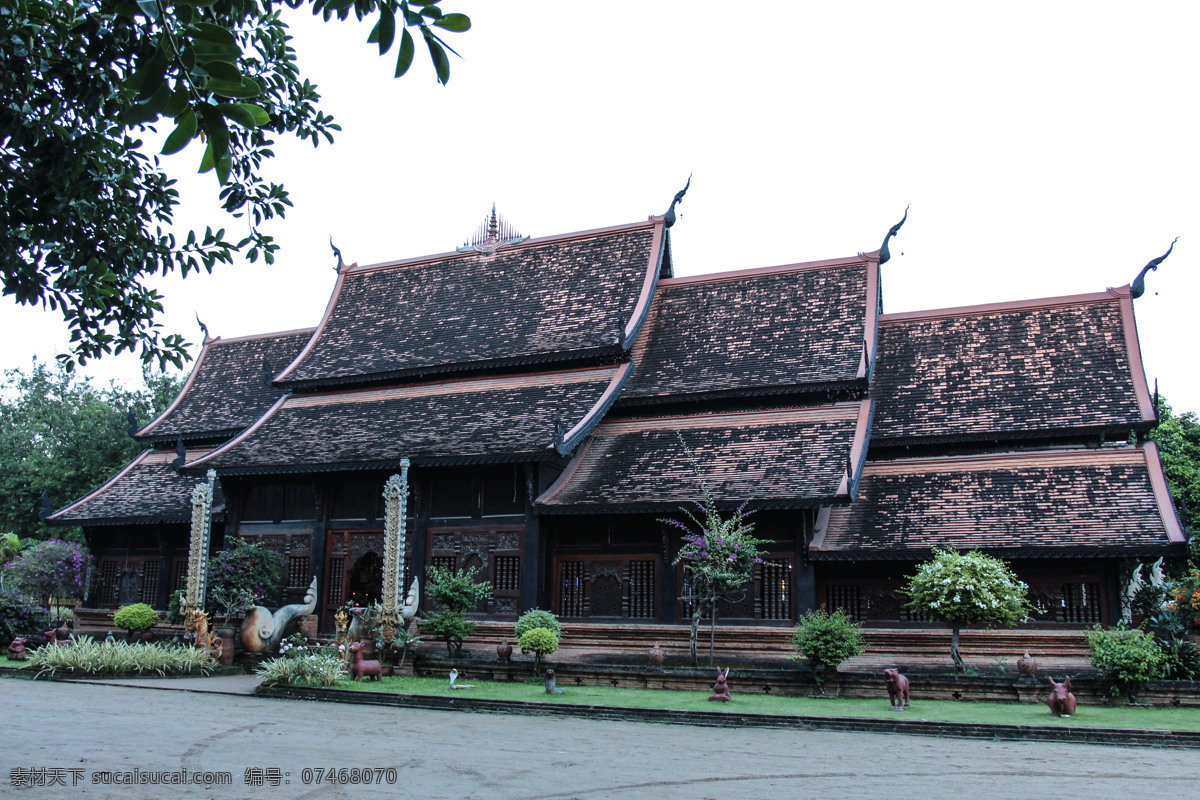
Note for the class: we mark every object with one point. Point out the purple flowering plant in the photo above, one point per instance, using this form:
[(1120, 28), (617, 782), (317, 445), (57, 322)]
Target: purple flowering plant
[(718, 554), (51, 571), (242, 575)]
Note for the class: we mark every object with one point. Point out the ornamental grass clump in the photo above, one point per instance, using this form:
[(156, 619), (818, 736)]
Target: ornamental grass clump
[(324, 667), (826, 640), (89, 657), (968, 589)]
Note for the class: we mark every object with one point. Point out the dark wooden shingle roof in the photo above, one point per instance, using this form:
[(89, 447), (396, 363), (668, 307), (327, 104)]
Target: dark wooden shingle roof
[(781, 329), (228, 388), (1083, 503), (557, 299), (1010, 370), (779, 459), (147, 491), (503, 419)]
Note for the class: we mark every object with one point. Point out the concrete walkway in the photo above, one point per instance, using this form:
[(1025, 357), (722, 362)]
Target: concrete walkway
[(211, 684)]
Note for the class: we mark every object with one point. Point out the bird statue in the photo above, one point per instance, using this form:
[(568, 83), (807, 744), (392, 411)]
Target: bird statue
[(669, 217), (203, 327), (885, 254), (1138, 287), (133, 424), (338, 253), (180, 455)]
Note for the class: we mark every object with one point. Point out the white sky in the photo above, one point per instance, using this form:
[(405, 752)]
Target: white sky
[(1046, 149)]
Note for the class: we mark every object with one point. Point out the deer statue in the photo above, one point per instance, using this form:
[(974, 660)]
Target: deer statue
[(361, 667)]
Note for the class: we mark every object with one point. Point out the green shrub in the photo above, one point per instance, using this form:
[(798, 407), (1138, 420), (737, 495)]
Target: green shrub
[(540, 642), (243, 572), (449, 626), (536, 618), (322, 668), (1181, 660), (1183, 595), (90, 657), (459, 591), (174, 607), (19, 617), (135, 618), (827, 640), (1125, 658)]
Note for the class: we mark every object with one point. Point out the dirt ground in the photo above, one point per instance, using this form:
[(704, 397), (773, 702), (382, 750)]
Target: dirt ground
[(89, 735)]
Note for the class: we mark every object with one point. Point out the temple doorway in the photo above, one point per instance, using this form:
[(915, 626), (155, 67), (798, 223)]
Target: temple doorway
[(364, 581)]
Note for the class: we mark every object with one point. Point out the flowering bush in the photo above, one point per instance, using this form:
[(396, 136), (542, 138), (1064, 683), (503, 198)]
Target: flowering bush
[(1184, 599), (296, 646), (968, 589), (54, 569), (19, 617), (242, 575)]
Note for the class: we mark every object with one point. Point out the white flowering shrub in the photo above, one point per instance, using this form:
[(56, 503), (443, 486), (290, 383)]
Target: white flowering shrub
[(968, 589), (321, 667)]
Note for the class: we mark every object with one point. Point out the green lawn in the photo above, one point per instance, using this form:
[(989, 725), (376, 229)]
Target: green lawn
[(1180, 719)]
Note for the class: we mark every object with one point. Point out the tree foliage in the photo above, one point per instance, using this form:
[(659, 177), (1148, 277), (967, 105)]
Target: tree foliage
[(65, 435), (968, 589), (53, 570), (827, 639), (1126, 658), (85, 212), (241, 575), (1178, 439), (454, 593)]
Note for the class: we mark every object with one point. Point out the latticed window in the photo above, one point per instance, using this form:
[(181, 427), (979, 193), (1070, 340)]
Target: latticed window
[(447, 563), (298, 573), (179, 572), (1080, 603), (106, 586), (847, 597), (507, 573), (148, 593), (571, 589), (776, 589), (337, 581), (641, 589)]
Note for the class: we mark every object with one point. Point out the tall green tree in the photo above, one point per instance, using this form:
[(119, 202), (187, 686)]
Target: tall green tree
[(1178, 439), (85, 212), (65, 435)]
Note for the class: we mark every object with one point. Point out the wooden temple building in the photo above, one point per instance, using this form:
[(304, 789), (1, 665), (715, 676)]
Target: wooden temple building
[(540, 388)]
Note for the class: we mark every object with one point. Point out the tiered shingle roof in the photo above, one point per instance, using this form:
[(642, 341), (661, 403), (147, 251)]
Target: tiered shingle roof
[(502, 419), (778, 459), (229, 388), (1011, 370), (557, 299), (1107, 501), (779, 330), (147, 491)]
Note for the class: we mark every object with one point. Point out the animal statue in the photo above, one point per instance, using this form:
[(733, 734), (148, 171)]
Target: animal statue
[(51, 636), (1061, 701), (361, 667), (16, 650), (721, 687), (552, 683), (897, 689), (262, 631)]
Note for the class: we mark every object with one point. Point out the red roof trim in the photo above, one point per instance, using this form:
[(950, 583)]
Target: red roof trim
[(618, 379), (742, 274), (187, 385), (333, 298), (1010, 460), (243, 435), (542, 240), (870, 322), (567, 474), (1162, 494), (837, 411), (1013, 305), (1136, 370), (643, 304)]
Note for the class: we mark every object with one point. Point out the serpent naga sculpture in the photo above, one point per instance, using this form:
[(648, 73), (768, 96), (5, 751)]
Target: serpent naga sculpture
[(262, 631)]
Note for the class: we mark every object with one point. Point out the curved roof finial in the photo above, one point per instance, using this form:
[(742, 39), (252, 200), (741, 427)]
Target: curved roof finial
[(885, 254), (669, 217), (1138, 287), (338, 253), (203, 327)]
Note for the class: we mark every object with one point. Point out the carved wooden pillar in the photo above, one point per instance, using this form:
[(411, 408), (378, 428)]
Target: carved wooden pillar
[(533, 594), (806, 580), (166, 552)]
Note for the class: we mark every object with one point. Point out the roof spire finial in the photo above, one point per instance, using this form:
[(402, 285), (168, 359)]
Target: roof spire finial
[(203, 327), (669, 217), (338, 253), (494, 233), (1138, 287), (885, 254)]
